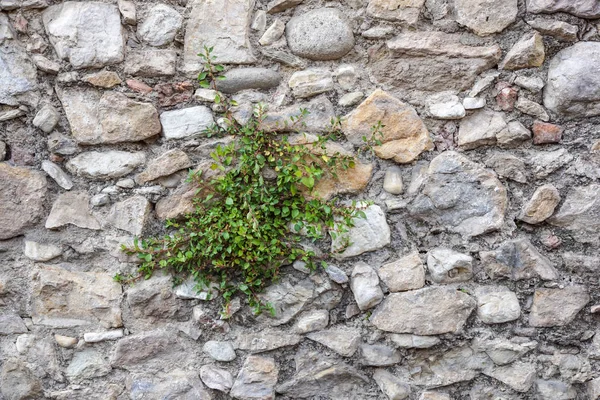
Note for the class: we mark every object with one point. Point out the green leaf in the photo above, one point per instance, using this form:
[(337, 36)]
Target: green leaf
[(229, 201)]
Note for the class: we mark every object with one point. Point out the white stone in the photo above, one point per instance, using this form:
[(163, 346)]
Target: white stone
[(533, 83), (41, 252), (161, 25), (310, 82), (392, 181), (186, 122), (473, 103), (130, 215), (497, 304), (46, 119), (56, 173), (346, 76), (406, 273), (95, 337), (72, 208), (367, 234), (351, 99), (449, 266), (446, 106), (272, 34), (128, 11), (106, 165), (220, 351), (480, 129), (216, 378), (365, 286)]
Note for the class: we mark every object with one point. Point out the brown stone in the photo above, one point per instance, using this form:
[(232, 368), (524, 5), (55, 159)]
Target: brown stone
[(170, 94), (104, 79), (138, 86), (544, 133), (22, 194), (507, 96), (541, 206), (403, 134)]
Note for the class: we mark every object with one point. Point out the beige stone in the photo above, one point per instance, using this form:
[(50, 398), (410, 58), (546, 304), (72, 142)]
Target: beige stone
[(63, 298), (486, 17), (164, 165), (406, 273), (104, 79), (396, 10), (541, 205), (528, 52), (403, 135)]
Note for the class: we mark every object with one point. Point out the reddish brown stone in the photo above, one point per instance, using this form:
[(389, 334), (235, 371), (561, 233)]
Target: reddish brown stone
[(20, 24), (170, 94), (507, 96), (544, 132), (138, 86)]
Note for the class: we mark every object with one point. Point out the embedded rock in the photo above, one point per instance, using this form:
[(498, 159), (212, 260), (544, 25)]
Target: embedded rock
[(480, 129), (41, 252), (310, 82), (56, 173), (161, 25), (130, 215), (164, 165), (519, 376), (18, 75), (103, 79), (528, 52), (11, 324), (221, 24), (88, 34), (497, 304), (46, 119), (87, 364), (557, 307), (396, 11), (517, 259), (406, 273), (320, 112), (541, 205), (365, 286), (104, 166), (390, 385), (379, 355), (276, 6), (445, 105), (216, 378), (580, 213), (460, 195), (186, 122), (266, 340), (321, 34), (311, 321), (72, 208), (22, 195), (351, 180), (558, 29), (484, 17), (220, 351), (156, 347), (256, 379), (154, 300), (508, 166), (513, 135), (392, 182), (340, 339), (17, 382), (271, 35), (449, 266), (580, 8), (239, 79), (431, 62), (408, 341), (433, 311), (151, 63), (573, 86), (367, 234), (63, 299), (403, 134)]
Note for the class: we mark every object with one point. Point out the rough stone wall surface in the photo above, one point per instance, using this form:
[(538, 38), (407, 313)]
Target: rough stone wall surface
[(475, 275)]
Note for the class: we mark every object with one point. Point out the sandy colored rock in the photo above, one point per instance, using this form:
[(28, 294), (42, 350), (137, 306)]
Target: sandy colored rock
[(104, 79), (528, 52), (557, 307), (166, 164), (396, 10), (541, 205), (484, 17), (406, 273), (256, 379), (404, 136)]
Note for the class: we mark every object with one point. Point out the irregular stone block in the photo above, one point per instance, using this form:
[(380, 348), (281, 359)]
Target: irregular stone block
[(238, 79), (557, 307), (130, 215), (18, 75), (151, 63), (164, 165), (449, 266), (528, 52), (186, 122), (541, 205), (72, 208), (365, 286), (406, 273), (517, 259), (256, 379), (580, 213), (580, 8), (497, 304), (310, 82), (161, 25), (397, 11), (367, 234), (485, 18), (103, 166)]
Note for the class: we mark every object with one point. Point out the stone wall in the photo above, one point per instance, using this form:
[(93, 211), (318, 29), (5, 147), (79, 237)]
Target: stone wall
[(474, 276)]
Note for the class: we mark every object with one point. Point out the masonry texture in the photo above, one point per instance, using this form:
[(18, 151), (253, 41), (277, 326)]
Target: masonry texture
[(474, 276)]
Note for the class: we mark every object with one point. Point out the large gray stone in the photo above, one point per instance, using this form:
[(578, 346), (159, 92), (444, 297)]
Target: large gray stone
[(222, 24), (107, 118), (153, 300), (573, 85), (40, 251), (17, 382), (461, 196), (580, 213), (22, 194), (480, 129), (256, 380), (107, 165), (220, 351), (87, 364), (72, 208), (365, 286), (130, 214), (318, 120), (580, 8), (367, 234), (428, 311), (249, 78), (88, 34), (18, 75), (449, 266), (497, 304), (379, 355), (431, 62), (166, 164), (340, 339), (161, 25), (557, 307), (321, 34), (63, 299), (485, 17), (406, 273), (46, 119), (186, 122), (11, 323), (155, 347)]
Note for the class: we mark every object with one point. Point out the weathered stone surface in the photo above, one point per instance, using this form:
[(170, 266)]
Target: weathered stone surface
[(273, 33), (284, 57), (276, 6), (72, 208), (541, 205), (154, 300), (340, 339), (431, 61), (531, 83), (220, 351), (392, 181), (177, 384), (433, 311), (41, 252), (403, 135), (316, 374), (256, 379), (108, 118), (449, 266), (103, 79), (484, 17), (555, 390), (56, 173), (580, 213), (460, 195), (544, 163), (445, 105), (186, 122), (528, 52), (573, 86), (517, 259), (408, 341), (87, 364), (503, 351), (519, 376), (266, 340), (406, 273), (239, 79), (397, 11), (535, 110), (17, 382), (11, 323), (580, 8), (137, 350), (513, 135), (391, 386), (367, 234), (379, 355), (318, 120), (128, 11), (508, 166), (480, 129), (88, 34), (96, 337), (22, 194), (558, 29), (63, 298), (365, 286), (18, 75), (320, 34), (216, 378), (351, 180), (130, 215), (46, 119), (222, 24), (544, 133), (166, 164), (497, 304), (310, 82), (107, 165), (311, 321), (161, 25), (557, 307), (151, 63)]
